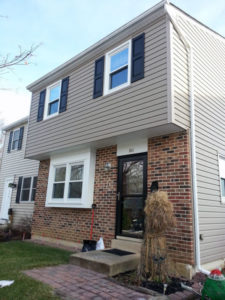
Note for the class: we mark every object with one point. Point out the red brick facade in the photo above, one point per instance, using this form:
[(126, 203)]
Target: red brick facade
[(74, 224), (169, 163)]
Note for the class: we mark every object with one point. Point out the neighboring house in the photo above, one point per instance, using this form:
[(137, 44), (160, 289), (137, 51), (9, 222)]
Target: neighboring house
[(19, 171), (117, 117)]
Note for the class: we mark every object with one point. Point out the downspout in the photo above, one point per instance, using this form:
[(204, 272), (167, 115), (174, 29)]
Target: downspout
[(192, 134)]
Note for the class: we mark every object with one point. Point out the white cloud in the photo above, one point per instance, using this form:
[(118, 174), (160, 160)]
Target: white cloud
[(14, 105)]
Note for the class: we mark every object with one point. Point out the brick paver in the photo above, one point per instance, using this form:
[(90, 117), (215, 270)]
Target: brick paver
[(73, 282)]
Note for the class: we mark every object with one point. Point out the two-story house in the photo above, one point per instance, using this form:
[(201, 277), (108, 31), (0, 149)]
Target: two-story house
[(18, 176), (146, 103)]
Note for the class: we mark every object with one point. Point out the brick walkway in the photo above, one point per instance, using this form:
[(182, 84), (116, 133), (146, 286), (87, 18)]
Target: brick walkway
[(73, 282)]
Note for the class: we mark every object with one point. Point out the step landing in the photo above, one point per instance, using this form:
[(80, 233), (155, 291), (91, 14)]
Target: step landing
[(127, 244), (106, 263)]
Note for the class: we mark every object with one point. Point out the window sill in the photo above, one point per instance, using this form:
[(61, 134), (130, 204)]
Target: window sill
[(68, 204), (117, 89), (50, 117), (13, 150)]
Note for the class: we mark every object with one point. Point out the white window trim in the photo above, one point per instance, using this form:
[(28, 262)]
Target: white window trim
[(220, 171), (107, 72), (18, 128), (85, 157), (46, 116), (30, 192)]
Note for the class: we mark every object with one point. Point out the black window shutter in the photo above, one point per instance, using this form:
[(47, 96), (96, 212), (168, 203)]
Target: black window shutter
[(41, 106), (63, 96), (19, 189), (34, 187), (98, 80), (20, 138), (10, 141), (137, 67)]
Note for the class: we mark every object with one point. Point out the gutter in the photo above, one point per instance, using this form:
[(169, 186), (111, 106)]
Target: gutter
[(16, 123), (190, 53)]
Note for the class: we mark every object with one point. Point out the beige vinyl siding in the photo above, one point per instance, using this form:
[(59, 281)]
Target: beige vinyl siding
[(14, 164), (181, 114), (209, 82), (141, 105)]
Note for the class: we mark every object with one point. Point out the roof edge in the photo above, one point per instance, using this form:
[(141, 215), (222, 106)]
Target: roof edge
[(198, 22), (16, 123), (31, 86)]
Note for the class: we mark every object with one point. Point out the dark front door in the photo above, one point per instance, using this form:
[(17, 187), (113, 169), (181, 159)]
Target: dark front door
[(132, 190)]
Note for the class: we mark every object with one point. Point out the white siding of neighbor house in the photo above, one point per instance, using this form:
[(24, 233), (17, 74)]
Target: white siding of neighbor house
[(209, 82), (14, 164), (139, 106)]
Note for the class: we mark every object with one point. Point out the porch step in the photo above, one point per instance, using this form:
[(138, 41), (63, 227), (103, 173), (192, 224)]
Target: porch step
[(105, 262), (127, 244)]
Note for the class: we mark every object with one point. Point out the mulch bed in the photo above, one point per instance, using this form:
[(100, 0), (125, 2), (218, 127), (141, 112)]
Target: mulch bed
[(171, 288), (130, 278)]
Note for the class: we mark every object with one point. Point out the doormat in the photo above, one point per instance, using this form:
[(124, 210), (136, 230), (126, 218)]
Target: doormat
[(118, 252)]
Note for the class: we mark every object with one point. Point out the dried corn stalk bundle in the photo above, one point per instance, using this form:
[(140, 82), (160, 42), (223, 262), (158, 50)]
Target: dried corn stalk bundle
[(158, 219)]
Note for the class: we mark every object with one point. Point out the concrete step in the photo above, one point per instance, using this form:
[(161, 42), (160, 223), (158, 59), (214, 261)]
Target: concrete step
[(127, 244), (106, 263)]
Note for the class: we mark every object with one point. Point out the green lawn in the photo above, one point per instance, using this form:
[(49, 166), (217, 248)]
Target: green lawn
[(16, 256)]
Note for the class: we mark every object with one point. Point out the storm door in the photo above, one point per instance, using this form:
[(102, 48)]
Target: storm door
[(132, 189)]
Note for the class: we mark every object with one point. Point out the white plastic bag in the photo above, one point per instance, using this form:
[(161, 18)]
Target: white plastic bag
[(100, 244), (5, 283)]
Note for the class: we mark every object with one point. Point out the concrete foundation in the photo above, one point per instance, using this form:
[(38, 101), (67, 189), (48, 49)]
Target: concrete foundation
[(75, 247), (106, 263)]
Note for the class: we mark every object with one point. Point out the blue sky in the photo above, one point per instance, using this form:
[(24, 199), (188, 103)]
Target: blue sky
[(65, 28)]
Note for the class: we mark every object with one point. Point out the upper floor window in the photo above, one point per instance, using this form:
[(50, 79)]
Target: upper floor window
[(15, 139), (119, 67), (53, 98), (118, 63)]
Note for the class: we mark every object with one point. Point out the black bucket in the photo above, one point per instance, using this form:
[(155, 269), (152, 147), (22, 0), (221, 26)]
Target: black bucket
[(89, 245)]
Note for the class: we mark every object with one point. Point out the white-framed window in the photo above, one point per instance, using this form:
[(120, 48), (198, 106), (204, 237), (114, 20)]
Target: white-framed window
[(222, 177), (59, 182), (71, 180), (52, 100), (68, 181), (28, 189), (76, 180), (117, 68), (15, 139)]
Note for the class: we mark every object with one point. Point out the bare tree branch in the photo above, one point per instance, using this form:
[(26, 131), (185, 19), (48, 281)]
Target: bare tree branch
[(6, 62)]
